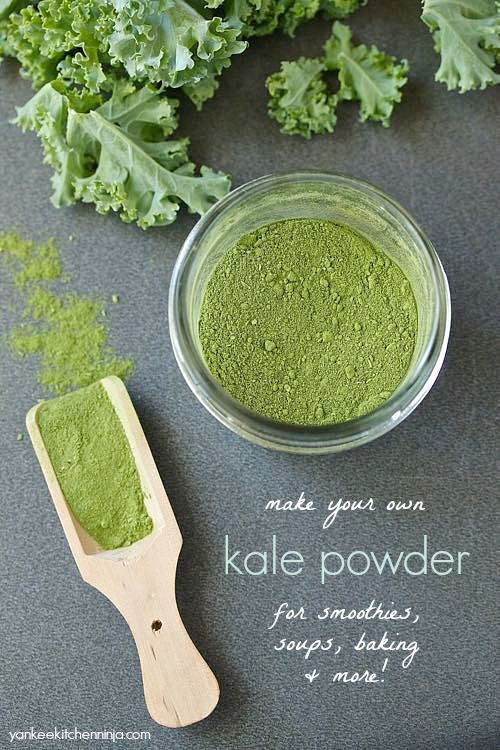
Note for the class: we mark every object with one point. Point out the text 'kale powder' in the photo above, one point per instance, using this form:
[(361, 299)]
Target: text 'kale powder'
[(306, 322)]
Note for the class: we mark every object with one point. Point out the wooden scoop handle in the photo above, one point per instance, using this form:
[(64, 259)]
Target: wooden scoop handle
[(179, 686)]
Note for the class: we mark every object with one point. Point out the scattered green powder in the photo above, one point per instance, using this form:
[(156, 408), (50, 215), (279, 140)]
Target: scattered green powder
[(95, 467), (63, 329), (304, 321)]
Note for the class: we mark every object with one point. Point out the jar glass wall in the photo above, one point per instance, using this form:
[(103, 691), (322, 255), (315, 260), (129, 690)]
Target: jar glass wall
[(330, 197)]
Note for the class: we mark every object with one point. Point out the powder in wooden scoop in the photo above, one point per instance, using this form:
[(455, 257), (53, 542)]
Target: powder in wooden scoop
[(95, 467)]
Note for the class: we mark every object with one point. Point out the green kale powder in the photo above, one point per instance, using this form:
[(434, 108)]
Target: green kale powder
[(65, 331), (305, 322), (95, 467)]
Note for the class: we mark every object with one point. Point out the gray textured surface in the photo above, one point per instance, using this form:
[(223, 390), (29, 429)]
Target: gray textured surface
[(67, 656)]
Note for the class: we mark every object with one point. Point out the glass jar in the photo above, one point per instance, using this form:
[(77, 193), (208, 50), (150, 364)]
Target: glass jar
[(336, 198)]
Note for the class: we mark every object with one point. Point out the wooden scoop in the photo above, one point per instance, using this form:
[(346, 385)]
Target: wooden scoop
[(179, 687)]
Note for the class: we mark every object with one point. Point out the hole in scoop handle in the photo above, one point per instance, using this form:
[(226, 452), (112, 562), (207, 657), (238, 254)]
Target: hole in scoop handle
[(179, 686)]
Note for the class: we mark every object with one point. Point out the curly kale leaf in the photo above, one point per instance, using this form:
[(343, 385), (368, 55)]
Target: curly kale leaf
[(115, 156), (169, 41), (263, 17), (62, 37), (23, 38), (12, 6), (340, 8), (83, 43), (367, 75), (299, 99), (466, 33), (202, 90)]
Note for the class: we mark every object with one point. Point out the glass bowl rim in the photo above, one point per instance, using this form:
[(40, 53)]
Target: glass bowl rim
[(308, 438)]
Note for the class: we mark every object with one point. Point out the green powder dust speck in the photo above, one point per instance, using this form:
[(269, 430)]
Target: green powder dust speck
[(95, 466), (65, 330), (305, 322)]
